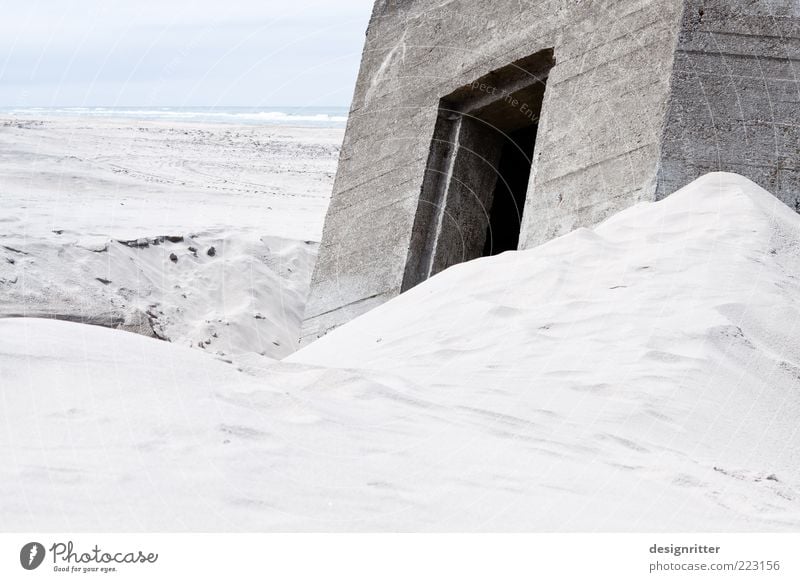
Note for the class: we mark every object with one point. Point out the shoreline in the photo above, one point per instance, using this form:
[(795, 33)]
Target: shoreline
[(188, 117)]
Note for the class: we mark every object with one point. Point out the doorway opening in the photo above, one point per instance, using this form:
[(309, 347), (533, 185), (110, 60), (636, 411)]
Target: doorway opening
[(508, 198), (478, 169)]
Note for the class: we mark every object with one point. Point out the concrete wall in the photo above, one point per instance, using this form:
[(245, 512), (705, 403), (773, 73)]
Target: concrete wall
[(599, 148), (599, 137), (735, 103)]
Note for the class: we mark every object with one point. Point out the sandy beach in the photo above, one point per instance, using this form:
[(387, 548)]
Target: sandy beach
[(127, 179), (532, 390), (201, 234), (554, 389)]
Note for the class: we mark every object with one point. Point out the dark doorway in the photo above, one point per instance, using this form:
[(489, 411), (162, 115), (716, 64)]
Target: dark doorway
[(478, 168), (508, 199)]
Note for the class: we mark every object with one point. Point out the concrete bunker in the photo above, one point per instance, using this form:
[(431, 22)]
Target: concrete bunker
[(478, 168), (636, 107)]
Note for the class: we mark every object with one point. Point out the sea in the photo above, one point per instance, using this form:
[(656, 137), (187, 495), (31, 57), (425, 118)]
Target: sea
[(288, 116)]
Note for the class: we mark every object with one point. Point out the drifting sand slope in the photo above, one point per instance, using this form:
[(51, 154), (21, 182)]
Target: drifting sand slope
[(644, 375), (161, 228)]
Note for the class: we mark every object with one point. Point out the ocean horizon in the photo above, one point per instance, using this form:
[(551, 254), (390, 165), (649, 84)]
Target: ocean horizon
[(317, 116)]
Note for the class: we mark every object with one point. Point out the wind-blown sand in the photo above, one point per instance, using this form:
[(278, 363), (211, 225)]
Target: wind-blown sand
[(115, 222), (640, 376)]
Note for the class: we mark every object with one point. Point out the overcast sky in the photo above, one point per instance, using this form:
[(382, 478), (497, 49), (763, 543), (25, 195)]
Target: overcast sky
[(180, 52)]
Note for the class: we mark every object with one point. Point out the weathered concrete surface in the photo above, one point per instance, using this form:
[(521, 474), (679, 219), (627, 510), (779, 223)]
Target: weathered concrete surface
[(735, 99), (644, 96)]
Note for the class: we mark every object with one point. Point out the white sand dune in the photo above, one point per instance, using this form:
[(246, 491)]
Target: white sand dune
[(245, 299), (76, 194), (640, 376)]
